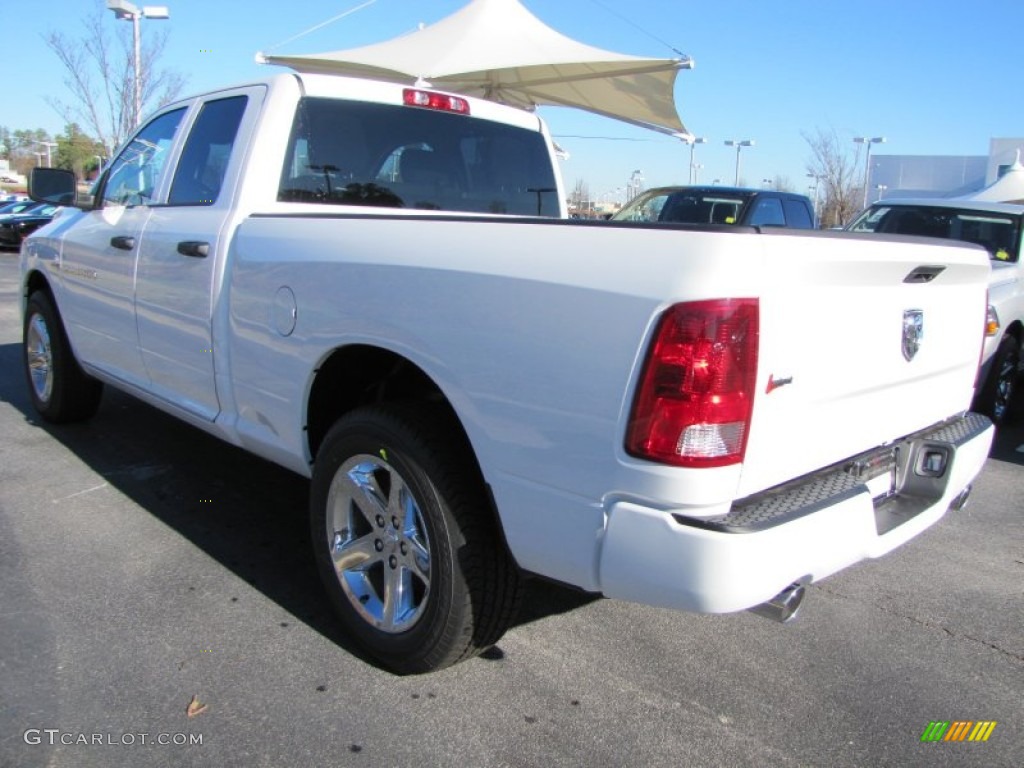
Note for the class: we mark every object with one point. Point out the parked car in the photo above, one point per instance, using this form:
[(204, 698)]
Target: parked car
[(17, 206), (14, 228), (28, 206), (998, 228), (720, 205)]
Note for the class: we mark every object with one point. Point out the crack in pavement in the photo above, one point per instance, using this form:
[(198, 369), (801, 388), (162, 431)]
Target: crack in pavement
[(924, 623)]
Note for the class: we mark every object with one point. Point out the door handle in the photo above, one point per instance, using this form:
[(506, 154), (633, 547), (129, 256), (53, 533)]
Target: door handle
[(123, 242), (924, 274), (196, 248)]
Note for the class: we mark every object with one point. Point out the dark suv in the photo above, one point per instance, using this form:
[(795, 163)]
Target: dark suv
[(720, 205)]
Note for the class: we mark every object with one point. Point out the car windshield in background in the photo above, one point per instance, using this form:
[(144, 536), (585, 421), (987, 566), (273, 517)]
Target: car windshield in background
[(683, 207), (350, 153), (15, 209), (998, 233)]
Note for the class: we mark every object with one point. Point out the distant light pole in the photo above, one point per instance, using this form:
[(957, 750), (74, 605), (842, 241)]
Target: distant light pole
[(716, 182), (696, 168), (739, 144), (124, 10), (867, 159), (635, 184), (692, 141), (881, 191), (767, 182), (817, 183)]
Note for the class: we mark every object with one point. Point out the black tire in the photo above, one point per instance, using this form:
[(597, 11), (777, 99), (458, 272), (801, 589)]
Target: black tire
[(60, 390), (399, 502), (996, 398)]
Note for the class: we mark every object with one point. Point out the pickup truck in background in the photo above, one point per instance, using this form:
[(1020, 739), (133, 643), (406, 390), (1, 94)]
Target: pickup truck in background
[(720, 205), (999, 229), (377, 287)]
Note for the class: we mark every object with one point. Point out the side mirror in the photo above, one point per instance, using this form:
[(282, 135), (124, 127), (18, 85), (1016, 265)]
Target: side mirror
[(56, 186)]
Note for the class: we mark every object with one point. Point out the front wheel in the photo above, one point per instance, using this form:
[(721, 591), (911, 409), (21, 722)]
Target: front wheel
[(405, 541), (61, 391), (996, 397)]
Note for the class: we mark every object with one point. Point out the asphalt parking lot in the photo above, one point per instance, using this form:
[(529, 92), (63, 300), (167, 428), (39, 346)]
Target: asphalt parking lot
[(143, 563)]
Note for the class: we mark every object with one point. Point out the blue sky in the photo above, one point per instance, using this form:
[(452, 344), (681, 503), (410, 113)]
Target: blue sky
[(933, 76)]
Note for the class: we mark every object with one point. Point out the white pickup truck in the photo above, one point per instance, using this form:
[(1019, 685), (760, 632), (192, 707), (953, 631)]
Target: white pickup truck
[(376, 286), (999, 229)]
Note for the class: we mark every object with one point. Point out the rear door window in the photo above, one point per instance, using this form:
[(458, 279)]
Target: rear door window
[(797, 215), (204, 159)]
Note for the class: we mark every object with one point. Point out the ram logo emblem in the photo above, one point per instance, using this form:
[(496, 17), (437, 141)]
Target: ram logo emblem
[(913, 332)]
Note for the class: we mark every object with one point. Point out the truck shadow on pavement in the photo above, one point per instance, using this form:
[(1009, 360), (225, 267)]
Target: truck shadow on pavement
[(1008, 445), (248, 514)]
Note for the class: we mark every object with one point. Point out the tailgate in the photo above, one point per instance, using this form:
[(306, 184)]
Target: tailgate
[(863, 341)]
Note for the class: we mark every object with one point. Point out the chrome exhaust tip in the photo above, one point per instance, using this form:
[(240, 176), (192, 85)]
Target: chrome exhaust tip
[(960, 502), (783, 606)]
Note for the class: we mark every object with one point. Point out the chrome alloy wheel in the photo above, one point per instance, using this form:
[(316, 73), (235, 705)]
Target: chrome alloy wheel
[(378, 543), (40, 358)]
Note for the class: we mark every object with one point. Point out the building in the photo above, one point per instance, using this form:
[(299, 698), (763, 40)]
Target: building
[(940, 175)]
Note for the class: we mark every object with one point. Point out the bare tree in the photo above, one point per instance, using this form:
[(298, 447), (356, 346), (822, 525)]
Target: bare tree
[(835, 170), (579, 198), (24, 148), (100, 72)]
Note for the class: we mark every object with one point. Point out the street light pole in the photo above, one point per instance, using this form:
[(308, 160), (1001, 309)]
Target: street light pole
[(867, 160), (138, 68), (125, 10), (817, 183), (692, 141), (636, 182), (739, 145)]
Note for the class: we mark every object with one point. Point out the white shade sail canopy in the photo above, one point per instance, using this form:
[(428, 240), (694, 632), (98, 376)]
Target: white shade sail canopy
[(498, 50), (1008, 188)]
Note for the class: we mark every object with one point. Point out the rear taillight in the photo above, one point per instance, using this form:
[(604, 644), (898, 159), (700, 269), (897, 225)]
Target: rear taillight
[(414, 97), (692, 407)]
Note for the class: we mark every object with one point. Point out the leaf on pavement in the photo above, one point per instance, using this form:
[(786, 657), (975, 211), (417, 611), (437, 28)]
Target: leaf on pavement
[(195, 707)]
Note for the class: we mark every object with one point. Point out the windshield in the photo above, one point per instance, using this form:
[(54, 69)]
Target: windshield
[(998, 233), (683, 207)]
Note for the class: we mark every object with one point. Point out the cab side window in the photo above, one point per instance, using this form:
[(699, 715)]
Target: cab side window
[(768, 213), (135, 173), (204, 160)]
